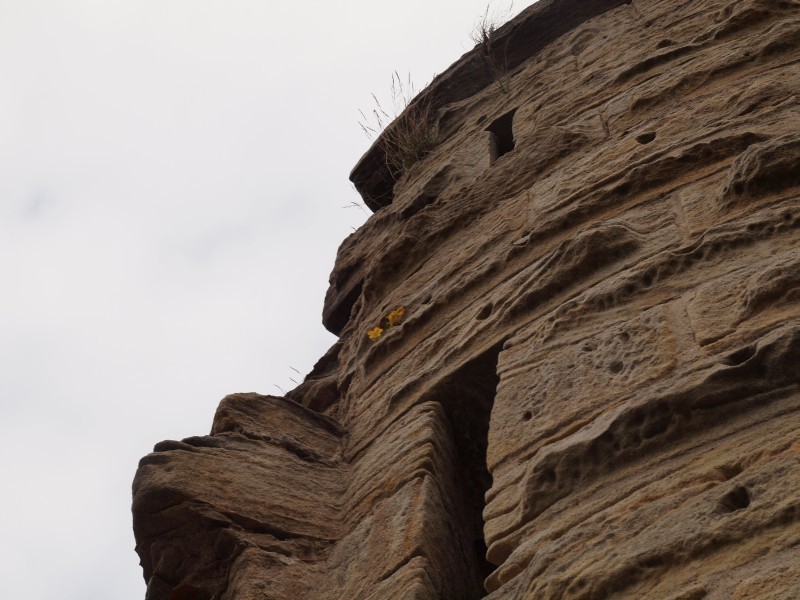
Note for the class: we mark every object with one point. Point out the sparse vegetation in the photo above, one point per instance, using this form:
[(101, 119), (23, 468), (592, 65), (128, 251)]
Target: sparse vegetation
[(408, 133), (407, 130), (484, 36), (358, 205)]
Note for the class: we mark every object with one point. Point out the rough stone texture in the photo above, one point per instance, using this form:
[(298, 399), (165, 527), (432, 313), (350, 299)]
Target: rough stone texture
[(597, 381)]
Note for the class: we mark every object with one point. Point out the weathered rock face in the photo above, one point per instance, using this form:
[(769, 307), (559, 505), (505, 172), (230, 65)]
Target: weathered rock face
[(595, 389)]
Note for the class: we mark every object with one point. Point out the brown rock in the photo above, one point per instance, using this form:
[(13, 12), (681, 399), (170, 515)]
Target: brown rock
[(595, 389)]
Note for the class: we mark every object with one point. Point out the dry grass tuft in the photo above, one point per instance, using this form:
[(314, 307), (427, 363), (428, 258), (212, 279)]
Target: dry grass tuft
[(408, 134), (483, 35)]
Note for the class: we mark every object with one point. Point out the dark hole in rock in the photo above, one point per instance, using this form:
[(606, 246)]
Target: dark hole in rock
[(485, 312), (502, 135), (656, 423), (741, 356), (737, 499), (646, 138), (527, 415), (616, 366), (652, 562), (382, 193), (467, 397)]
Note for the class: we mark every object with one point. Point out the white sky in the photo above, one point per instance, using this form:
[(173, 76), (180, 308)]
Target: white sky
[(172, 181)]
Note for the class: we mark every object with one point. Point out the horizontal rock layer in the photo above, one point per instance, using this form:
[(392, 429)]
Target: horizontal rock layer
[(594, 391)]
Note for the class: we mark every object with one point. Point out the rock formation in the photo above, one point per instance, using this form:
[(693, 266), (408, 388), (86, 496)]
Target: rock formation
[(594, 391)]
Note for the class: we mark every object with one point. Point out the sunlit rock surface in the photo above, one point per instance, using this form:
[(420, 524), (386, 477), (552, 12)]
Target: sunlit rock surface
[(595, 389)]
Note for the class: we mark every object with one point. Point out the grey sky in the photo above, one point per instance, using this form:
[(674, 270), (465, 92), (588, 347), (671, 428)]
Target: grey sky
[(172, 177)]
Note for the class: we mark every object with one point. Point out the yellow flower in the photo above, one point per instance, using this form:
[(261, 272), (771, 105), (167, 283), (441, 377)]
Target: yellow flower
[(375, 334), (396, 316)]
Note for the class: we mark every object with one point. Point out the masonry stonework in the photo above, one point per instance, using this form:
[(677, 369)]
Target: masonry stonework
[(594, 391)]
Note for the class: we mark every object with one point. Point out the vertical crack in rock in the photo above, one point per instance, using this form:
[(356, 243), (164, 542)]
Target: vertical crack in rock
[(467, 397)]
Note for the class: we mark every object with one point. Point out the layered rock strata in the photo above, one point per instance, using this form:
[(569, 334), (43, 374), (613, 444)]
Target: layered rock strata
[(595, 389)]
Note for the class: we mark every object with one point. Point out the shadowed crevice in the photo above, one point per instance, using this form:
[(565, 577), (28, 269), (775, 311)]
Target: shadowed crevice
[(467, 397)]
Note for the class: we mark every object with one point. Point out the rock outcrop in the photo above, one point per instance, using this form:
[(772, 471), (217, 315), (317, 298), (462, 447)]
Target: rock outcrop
[(594, 391)]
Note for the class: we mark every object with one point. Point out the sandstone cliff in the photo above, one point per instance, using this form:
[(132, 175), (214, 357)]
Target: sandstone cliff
[(594, 391)]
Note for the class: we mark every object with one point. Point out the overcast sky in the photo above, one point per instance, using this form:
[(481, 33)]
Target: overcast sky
[(173, 184)]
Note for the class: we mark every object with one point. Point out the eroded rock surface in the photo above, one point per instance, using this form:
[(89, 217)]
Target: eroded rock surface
[(595, 389)]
